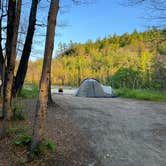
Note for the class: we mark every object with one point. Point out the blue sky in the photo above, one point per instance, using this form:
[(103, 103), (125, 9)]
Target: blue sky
[(103, 18), (84, 22)]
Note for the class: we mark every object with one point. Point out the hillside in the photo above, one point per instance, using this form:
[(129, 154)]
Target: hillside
[(136, 60)]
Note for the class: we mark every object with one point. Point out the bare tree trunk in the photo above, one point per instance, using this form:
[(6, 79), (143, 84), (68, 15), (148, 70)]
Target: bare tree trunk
[(10, 27), (23, 65), (11, 57), (50, 100), (2, 68), (41, 108), (2, 60)]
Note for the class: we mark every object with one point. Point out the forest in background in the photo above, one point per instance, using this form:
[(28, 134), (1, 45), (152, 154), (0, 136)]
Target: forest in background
[(136, 60)]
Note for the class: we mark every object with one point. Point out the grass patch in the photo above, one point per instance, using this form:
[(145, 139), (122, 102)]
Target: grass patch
[(142, 94), (11, 130), (18, 109), (22, 140), (43, 148), (29, 91)]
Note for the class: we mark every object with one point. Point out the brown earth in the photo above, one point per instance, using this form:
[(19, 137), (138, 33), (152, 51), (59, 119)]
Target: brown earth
[(97, 132), (72, 146), (121, 132)]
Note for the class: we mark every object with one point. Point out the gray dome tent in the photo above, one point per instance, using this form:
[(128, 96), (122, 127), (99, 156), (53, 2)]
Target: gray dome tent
[(92, 88)]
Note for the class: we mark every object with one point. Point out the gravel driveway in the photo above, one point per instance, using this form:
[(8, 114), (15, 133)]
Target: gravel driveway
[(121, 132)]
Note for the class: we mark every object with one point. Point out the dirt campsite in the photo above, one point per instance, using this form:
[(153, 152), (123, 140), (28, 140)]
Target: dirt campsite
[(120, 132), (82, 83)]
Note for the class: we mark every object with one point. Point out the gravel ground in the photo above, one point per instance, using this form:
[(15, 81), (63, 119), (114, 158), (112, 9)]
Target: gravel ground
[(73, 149), (121, 132)]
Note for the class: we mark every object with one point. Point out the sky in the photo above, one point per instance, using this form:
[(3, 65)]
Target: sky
[(91, 21), (100, 19)]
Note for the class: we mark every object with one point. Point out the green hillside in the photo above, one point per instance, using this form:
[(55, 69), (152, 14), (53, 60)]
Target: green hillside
[(136, 60)]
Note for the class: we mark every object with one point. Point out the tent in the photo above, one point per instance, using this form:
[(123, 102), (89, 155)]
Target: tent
[(91, 87)]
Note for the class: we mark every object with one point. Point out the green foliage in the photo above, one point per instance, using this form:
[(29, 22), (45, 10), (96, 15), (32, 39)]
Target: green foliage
[(142, 94), (1, 114), (23, 160), (141, 56), (18, 110), (162, 49), (11, 130), (29, 91), (19, 114), (125, 77), (43, 148), (22, 139)]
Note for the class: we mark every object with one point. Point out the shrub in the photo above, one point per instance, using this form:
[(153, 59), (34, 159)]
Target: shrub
[(43, 147), (29, 91), (11, 130), (23, 138), (18, 109), (125, 77)]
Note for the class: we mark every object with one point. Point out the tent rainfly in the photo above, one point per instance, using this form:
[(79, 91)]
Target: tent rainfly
[(92, 88)]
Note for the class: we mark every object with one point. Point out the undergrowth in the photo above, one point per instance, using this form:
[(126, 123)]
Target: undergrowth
[(24, 139), (142, 94), (18, 109), (29, 91)]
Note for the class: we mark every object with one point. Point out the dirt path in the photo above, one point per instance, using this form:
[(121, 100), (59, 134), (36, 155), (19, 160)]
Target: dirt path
[(121, 132), (72, 147)]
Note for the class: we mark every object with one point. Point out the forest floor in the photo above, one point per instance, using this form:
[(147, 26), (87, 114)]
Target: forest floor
[(120, 132), (96, 132), (73, 148)]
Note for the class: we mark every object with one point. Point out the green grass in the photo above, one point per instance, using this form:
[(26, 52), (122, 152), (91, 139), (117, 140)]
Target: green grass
[(142, 94), (18, 109), (43, 148), (29, 92)]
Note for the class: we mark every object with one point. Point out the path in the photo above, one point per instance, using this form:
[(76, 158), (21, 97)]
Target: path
[(121, 132)]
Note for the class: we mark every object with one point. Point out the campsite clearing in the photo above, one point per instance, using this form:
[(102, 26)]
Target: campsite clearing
[(121, 132)]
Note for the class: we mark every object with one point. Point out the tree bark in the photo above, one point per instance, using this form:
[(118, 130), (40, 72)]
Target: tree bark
[(41, 108), (50, 100), (10, 27), (2, 60), (2, 68), (23, 65), (11, 55)]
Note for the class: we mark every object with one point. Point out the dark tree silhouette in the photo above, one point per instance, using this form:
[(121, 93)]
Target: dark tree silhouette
[(23, 65)]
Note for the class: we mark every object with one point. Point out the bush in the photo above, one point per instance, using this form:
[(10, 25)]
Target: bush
[(29, 91), (11, 130), (23, 139), (43, 148), (125, 77), (18, 109), (142, 94)]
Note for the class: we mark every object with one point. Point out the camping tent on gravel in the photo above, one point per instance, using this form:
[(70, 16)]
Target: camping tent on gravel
[(91, 87)]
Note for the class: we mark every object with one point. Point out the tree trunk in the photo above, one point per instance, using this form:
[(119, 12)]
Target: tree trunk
[(2, 70), (1, 67), (41, 108), (11, 57), (10, 27), (50, 100), (2, 61), (23, 65)]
